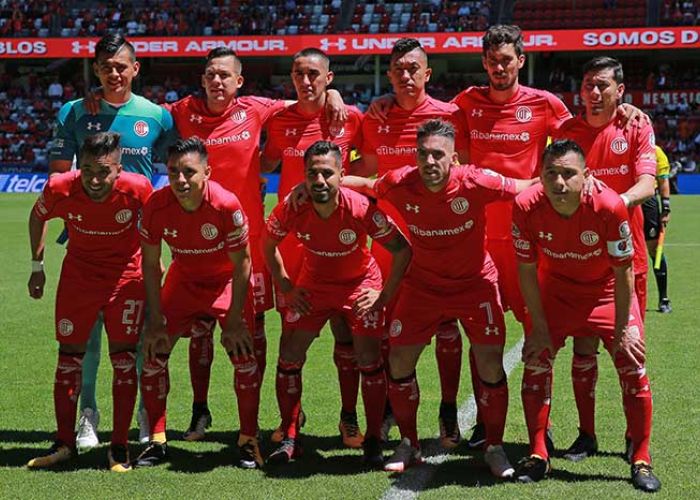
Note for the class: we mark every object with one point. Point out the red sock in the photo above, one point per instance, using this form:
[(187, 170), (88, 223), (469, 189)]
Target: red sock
[(404, 395), (66, 389), (124, 388), (636, 400), (201, 357), (289, 395), (476, 385), (260, 344), (374, 397), (584, 375), (448, 352), (536, 394), (155, 385), (494, 408), (246, 382), (348, 375)]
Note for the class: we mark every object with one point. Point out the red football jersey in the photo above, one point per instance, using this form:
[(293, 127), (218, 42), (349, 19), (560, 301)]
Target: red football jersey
[(103, 235), (578, 250), (199, 241), (291, 132), (232, 140), (446, 228), (394, 140), (509, 138), (335, 249), (618, 156)]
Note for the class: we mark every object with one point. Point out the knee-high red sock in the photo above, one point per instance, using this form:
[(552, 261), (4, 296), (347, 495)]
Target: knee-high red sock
[(374, 394), (404, 395), (289, 395), (584, 375), (66, 389), (536, 394), (155, 385), (124, 388), (348, 375), (201, 356), (476, 385), (493, 404), (246, 382), (260, 344), (636, 400), (448, 353)]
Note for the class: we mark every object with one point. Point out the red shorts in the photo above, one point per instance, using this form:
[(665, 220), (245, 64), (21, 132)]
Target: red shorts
[(640, 289), (185, 301), (263, 293), (418, 312), (82, 295), (503, 255), (575, 313), (292, 252), (333, 300)]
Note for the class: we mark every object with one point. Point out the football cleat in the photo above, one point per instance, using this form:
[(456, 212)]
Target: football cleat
[(583, 447), (478, 437), (154, 454), (144, 427), (57, 454), (288, 450), (373, 456), (643, 478), (388, 422), (249, 456), (349, 430), (665, 306), (449, 428), (201, 421), (497, 460), (118, 458), (532, 469), (405, 455), (87, 430), (278, 434)]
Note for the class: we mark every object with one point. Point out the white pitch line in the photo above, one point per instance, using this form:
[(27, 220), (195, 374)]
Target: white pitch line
[(413, 481)]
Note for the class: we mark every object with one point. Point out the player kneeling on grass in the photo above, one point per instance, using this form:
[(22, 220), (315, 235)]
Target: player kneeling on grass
[(451, 276), (207, 232), (101, 275), (575, 254), (339, 277)]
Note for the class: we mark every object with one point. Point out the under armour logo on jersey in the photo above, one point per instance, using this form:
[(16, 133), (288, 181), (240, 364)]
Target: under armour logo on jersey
[(94, 126), (412, 208), (78, 217), (545, 236), (477, 112), (290, 131), (194, 118), (304, 236), (383, 129), (170, 232)]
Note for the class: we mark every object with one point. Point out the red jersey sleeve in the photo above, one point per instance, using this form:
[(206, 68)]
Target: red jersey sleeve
[(462, 141), (272, 150), (44, 207), (619, 234), (557, 113), (493, 186), (378, 225), (645, 151), (267, 107), (384, 184), (356, 126), (151, 232), (461, 130), (235, 226), (523, 241), (277, 222)]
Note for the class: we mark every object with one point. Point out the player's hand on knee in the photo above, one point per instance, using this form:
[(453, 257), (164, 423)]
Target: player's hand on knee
[(535, 343), (298, 196), (368, 301), (36, 284), (298, 300), (632, 346), (236, 339), (155, 341)]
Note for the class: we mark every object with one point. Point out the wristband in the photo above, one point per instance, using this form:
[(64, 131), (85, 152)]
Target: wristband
[(666, 205), (626, 199), (37, 266)]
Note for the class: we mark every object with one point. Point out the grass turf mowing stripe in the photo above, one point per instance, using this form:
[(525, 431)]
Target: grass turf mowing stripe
[(413, 481)]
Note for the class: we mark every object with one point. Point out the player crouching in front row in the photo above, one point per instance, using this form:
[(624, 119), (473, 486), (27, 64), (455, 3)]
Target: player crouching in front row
[(101, 274)]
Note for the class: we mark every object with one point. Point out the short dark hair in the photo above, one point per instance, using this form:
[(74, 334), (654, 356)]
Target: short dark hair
[(323, 148), (503, 34), (404, 46), (225, 52), (190, 145), (111, 44), (101, 144), (605, 62), (440, 128), (561, 147), (313, 52)]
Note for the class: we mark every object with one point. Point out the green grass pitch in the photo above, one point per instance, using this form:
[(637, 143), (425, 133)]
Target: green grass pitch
[(205, 469)]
